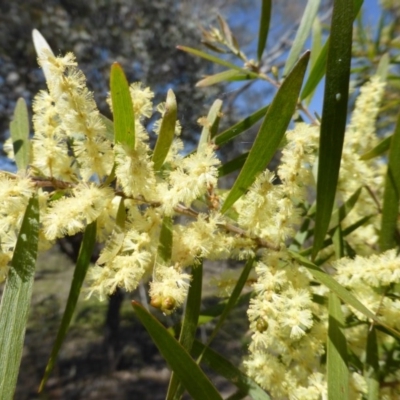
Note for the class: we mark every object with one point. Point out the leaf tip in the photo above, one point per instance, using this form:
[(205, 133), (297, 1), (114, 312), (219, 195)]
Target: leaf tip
[(116, 65)]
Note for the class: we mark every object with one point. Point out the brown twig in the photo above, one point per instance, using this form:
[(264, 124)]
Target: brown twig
[(52, 183), (180, 209), (374, 198)]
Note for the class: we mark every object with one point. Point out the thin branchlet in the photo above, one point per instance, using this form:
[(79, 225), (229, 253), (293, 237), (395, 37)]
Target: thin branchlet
[(57, 184)]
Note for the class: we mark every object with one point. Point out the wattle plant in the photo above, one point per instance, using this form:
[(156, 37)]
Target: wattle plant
[(318, 235)]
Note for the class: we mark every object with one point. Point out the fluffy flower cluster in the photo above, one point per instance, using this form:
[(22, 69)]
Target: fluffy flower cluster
[(81, 176), (289, 329), (355, 172), (73, 121), (267, 210), (372, 279), (93, 179), (15, 193), (287, 342)]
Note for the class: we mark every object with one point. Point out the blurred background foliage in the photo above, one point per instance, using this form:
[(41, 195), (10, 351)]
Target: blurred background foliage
[(142, 36), (370, 43)]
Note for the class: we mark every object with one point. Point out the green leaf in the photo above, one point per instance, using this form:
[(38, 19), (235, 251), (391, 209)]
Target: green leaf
[(372, 365), (238, 395), (265, 18), (109, 127), (217, 60), (232, 165), (338, 243), (337, 369), (318, 71), (301, 235), (124, 118), (82, 265), (226, 369), (121, 217), (229, 75), (381, 26), (316, 48), (167, 131), (378, 150), (357, 224), (15, 302), (233, 299), (362, 39), (192, 309), (111, 177), (214, 311), (322, 277), (316, 45), (383, 67), (211, 128), (271, 132), (389, 234), (19, 129), (189, 373), (240, 127), (189, 325), (165, 246), (341, 213), (307, 20), (346, 231), (334, 115)]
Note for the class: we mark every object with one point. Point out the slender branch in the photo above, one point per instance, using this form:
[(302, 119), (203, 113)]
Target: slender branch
[(52, 183), (229, 227), (374, 198), (180, 209), (306, 111)]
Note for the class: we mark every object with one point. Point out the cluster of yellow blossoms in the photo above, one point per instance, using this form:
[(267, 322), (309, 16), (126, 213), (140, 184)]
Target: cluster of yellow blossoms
[(73, 157)]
